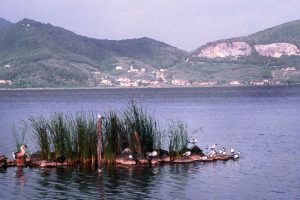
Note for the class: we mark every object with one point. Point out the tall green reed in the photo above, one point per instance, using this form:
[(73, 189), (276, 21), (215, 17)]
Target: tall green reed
[(142, 129), (19, 138), (85, 138), (39, 126), (75, 137), (115, 138), (178, 137), (61, 136)]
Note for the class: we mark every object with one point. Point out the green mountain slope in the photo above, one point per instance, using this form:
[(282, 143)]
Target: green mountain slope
[(42, 55), (4, 24), (33, 54), (268, 54), (288, 32)]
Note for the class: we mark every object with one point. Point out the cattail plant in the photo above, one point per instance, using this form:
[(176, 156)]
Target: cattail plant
[(115, 138), (39, 126), (85, 138), (19, 138), (75, 137), (141, 127), (61, 137), (178, 137)]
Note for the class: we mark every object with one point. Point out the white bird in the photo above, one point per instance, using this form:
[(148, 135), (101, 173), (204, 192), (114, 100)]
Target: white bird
[(231, 150), (213, 146), (21, 152), (186, 154), (212, 153), (152, 154), (204, 158), (193, 141), (130, 156), (126, 151), (221, 151), (237, 155)]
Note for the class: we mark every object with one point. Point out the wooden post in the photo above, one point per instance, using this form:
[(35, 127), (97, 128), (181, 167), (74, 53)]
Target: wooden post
[(99, 145)]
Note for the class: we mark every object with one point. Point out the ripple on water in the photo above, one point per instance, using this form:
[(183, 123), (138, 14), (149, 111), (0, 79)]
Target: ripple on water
[(264, 127)]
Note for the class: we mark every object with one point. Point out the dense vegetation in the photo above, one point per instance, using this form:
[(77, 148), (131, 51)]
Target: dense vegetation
[(253, 67), (34, 54), (42, 55), (75, 136)]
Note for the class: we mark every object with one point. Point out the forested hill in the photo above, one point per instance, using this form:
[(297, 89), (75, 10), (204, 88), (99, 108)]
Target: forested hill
[(41, 55)]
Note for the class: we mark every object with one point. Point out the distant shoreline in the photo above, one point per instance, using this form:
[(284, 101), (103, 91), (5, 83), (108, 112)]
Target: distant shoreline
[(131, 88)]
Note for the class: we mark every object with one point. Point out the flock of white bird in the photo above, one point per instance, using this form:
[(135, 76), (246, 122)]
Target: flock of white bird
[(213, 151)]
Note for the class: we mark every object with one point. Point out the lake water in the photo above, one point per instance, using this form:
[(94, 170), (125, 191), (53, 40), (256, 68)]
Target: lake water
[(261, 122)]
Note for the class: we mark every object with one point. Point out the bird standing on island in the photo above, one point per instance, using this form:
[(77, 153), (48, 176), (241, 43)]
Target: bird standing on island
[(60, 159), (186, 154), (212, 153), (212, 147), (21, 152), (126, 151), (151, 154), (237, 155), (193, 141), (223, 151)]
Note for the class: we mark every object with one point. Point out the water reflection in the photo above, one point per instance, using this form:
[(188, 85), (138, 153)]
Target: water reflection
[(265, 128), (133, 182), (20, 176)]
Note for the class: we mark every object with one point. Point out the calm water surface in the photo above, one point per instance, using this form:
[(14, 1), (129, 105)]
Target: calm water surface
[(262, 122)]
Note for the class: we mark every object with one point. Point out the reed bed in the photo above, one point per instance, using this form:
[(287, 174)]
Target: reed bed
[(84, 131), (142, 129), (115, 137), (60, 135), (74, 137), (41, 135), (178, 138), (19, 138)]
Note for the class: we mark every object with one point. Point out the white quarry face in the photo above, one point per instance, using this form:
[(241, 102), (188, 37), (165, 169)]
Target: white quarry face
[(277, 50), (239, 49), (226, 49)]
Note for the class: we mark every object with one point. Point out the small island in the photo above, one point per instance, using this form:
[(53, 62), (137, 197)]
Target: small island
[(131, 138)]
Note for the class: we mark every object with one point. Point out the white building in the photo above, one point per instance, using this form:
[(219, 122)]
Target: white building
[(119, 67), (133, 70), (8, 82), (234, 83)]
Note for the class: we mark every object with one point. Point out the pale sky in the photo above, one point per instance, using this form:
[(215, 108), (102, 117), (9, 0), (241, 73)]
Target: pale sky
[(186, 24)]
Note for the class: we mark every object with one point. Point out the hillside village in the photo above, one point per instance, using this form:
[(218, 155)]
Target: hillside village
[(37, 55), (134, 78)]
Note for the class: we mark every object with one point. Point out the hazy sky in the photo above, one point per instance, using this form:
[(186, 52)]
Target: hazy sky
[(186, 24)]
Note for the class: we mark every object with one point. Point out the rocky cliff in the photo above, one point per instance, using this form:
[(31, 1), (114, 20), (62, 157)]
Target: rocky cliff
[(226, 49), (277, 50), (238, 49)]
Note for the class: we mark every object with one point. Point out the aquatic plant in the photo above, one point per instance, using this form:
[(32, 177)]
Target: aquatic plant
[(61, 138), (142, 129), (76, 137), (84, 138), (178, 137), (19, 138), (115, 138), (92, 139), (39, 126)]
